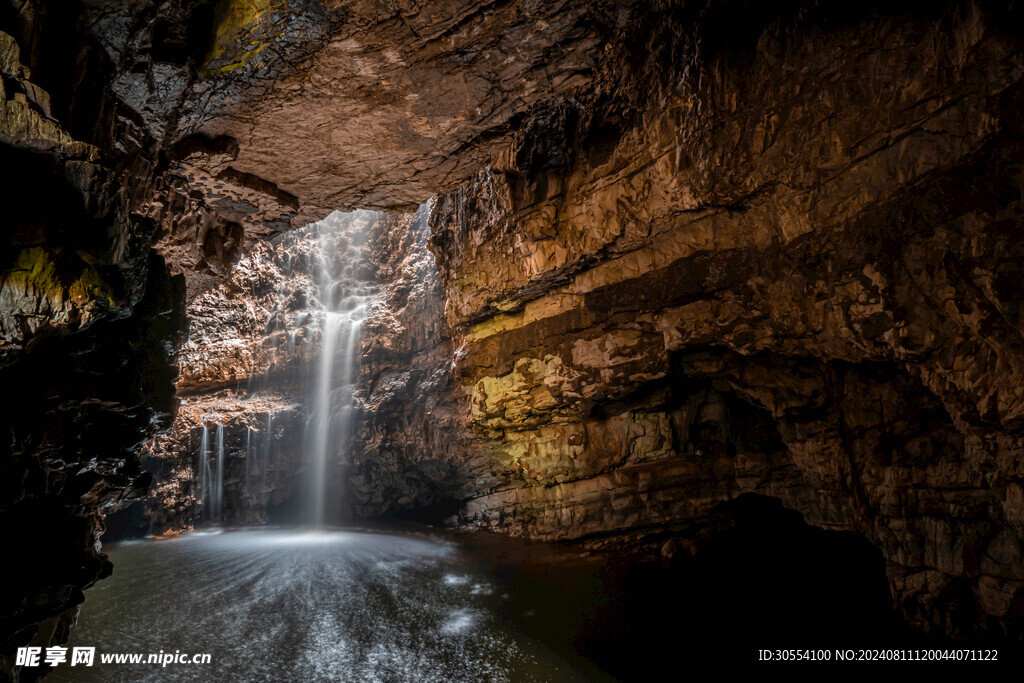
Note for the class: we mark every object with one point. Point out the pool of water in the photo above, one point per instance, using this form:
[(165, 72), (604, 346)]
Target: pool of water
[(409, 603), (279, 604)]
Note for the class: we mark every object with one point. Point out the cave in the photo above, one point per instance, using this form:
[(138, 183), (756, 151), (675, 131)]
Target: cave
[(589, 340)]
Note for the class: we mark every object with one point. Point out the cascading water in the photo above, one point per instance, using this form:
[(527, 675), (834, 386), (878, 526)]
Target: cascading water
[(344, 298), (210, 474), (267, 441), (217, 499), (203, 467), (306, 367)]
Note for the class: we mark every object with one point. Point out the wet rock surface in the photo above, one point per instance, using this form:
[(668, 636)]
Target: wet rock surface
[(89, 322)]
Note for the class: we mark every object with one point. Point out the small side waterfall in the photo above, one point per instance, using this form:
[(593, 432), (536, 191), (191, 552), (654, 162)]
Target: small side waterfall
[(217, 496), (249, 460), (258, 443), (210, 475), (266, 437), (203, 468)]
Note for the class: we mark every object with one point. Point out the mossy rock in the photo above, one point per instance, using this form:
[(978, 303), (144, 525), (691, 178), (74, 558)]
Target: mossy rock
[(41, 272), (244, 29)]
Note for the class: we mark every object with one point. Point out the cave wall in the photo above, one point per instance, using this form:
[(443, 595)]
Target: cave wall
[(89, 322), (412, 452), (788, 267)]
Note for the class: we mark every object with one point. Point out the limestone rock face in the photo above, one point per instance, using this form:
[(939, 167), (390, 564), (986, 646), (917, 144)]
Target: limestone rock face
[(789, 270), (89, 322), (413, 451), (59, 276)]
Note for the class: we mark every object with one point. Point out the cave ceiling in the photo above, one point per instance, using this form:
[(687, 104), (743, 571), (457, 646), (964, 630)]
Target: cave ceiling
[(296, 108)]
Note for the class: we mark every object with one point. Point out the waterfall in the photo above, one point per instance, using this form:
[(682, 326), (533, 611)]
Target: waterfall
[(203, 468), (250, 465), (344, 300), (210, 475), (313, 326), (322, 417), (265, 458), (217, 497)]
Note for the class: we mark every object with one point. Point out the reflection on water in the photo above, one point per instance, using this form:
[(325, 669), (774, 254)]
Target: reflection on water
[(311, 605), (401, 606)]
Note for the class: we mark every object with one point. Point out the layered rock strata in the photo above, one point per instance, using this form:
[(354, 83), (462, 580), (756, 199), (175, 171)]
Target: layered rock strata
[(789, 274)]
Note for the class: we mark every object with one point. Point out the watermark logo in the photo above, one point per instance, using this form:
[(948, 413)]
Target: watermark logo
[(30, 656), (86, 656)]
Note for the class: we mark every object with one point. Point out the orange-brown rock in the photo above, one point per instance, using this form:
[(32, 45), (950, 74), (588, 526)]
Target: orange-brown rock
[(792, 273)]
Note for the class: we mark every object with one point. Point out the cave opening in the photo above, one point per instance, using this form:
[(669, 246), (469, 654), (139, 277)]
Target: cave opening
[(768, 577), (756, 576)]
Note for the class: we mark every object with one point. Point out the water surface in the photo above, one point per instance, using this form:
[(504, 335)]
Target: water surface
[(278, 604)]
